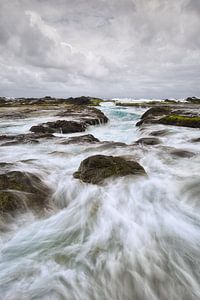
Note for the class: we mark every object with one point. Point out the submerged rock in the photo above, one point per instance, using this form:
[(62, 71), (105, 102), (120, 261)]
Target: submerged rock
[(182, 153), (148, 141), (30, 138), (87, 138), (95, 169), (156, 111), (195, 140), (162, 132), (19, 190)]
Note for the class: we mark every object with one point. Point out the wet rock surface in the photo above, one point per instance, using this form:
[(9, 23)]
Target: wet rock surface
[(88, 115), (148, 141), (182, 153), (163, 132), (30, 138), (20, 190), (95, 169), (177, 115), (82, 118), (87, 138), (59, 126)]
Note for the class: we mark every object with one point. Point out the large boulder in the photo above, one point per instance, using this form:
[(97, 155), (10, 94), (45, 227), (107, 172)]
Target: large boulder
[(162, 132), (95, 169), (19, 190), (152, 114)]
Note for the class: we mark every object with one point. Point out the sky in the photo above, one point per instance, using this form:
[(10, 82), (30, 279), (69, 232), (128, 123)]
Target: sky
[(102, 48)]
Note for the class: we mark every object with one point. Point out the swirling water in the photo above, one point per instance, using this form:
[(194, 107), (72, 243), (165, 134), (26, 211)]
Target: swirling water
[(127, 239)]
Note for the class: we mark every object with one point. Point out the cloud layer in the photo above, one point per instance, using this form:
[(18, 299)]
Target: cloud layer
[(105, 48)]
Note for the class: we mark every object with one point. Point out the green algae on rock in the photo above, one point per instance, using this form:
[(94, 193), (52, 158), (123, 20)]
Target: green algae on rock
[(179, 120)]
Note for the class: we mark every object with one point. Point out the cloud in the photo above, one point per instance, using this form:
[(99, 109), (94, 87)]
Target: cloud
[(106, 48)]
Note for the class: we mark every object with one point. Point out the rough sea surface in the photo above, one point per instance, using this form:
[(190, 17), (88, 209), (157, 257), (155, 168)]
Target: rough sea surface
[(129, 239)]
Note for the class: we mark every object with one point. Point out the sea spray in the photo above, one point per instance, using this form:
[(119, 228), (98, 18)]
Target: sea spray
[(126, 239)]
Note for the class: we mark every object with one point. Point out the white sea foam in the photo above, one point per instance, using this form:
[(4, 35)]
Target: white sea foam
[(128, 239)]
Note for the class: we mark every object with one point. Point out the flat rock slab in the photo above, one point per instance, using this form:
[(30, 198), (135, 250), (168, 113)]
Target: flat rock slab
[(95, 169)]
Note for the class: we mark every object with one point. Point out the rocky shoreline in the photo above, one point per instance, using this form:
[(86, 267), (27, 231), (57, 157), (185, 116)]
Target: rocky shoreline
[(20, 191)]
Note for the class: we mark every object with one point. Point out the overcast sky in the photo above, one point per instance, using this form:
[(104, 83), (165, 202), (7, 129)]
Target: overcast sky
[(104, 48)]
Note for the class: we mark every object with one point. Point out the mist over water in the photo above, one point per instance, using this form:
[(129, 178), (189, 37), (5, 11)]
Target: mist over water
[(131, 238)]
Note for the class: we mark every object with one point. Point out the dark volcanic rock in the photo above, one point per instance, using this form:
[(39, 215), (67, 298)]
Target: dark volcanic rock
[(66, 126), (87, 138), (82, 117), (95, 169), (19, 190), (148, 141), (42, 129), (60, 126)]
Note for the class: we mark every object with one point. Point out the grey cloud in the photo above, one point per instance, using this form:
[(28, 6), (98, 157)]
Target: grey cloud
[(115, 48)]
